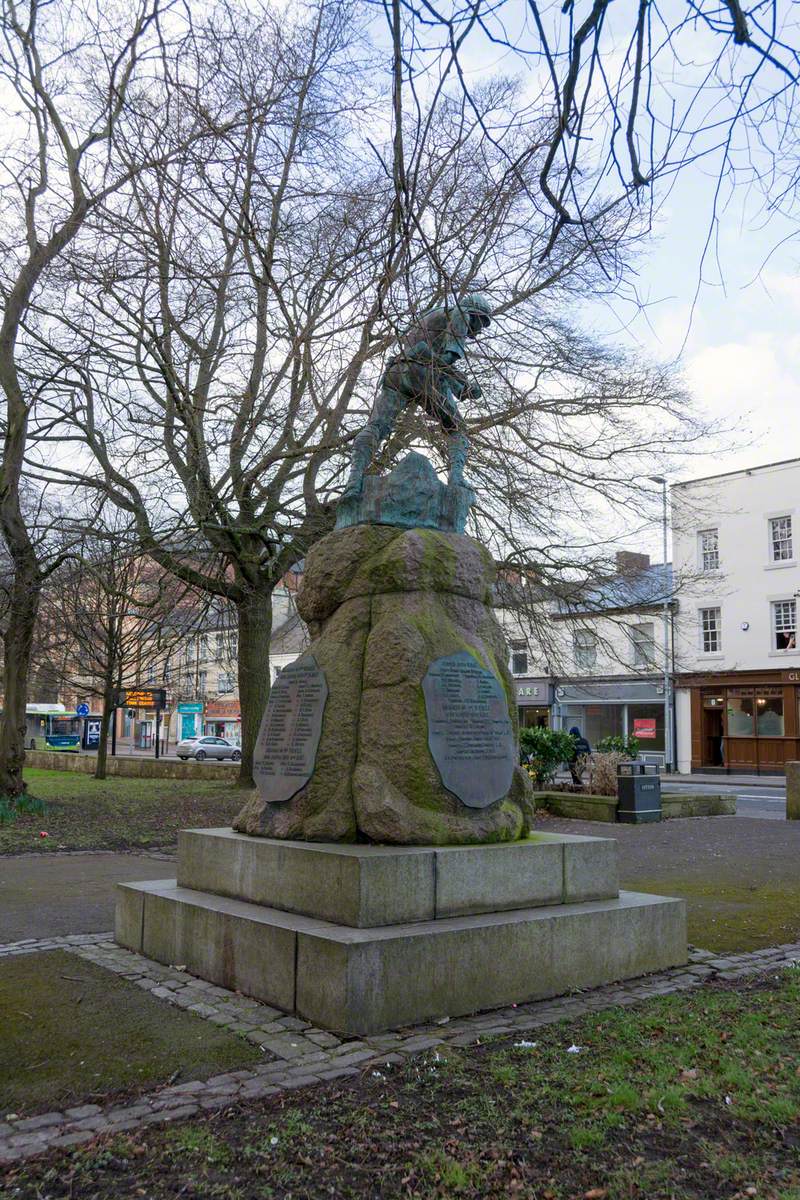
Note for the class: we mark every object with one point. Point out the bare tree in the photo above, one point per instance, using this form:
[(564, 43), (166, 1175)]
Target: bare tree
[(230, 310), (68, 76), (110, 617), (632, 96)]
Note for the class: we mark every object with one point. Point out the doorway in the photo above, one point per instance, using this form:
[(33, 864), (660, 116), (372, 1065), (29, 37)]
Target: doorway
[(713, 732)]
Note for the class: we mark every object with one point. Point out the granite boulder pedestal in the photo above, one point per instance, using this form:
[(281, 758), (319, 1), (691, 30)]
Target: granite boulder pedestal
[(407, 675)]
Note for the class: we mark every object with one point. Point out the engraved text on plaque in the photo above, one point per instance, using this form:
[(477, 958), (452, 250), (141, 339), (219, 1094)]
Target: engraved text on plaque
[(469, 729), (287, 742)]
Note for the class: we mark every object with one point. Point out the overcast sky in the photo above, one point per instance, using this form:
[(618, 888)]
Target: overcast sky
[(741, 342)]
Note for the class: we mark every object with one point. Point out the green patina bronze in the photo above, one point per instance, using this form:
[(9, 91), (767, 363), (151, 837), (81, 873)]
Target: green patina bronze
[(423, 373)]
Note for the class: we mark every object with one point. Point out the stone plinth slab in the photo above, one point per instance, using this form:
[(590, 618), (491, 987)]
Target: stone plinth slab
[(366, 886), (361, 981)]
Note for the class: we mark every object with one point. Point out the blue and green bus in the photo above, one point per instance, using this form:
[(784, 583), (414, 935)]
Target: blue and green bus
[(51, 727)]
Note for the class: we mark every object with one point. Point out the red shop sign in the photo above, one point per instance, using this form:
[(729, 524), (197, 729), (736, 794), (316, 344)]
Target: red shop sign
[(644, 727)]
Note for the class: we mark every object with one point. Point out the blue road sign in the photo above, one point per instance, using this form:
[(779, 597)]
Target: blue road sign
[(82, 710)]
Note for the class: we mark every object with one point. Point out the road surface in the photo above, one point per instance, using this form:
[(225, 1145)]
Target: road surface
[(767, 801)]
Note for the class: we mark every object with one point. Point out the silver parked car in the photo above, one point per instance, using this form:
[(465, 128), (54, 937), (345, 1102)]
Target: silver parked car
[(207, 747)]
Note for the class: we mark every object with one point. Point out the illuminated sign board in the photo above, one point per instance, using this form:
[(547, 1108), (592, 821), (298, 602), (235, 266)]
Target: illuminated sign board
[(142, 698)]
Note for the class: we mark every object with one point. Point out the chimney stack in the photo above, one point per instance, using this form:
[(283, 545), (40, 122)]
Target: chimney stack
[(629, 563)]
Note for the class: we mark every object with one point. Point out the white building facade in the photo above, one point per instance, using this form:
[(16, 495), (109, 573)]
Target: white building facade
[(736, 547), (598, 663)]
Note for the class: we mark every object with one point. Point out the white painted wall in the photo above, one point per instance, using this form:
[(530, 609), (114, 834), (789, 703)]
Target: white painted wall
[(739, 506), (683, 728), (614, 644)]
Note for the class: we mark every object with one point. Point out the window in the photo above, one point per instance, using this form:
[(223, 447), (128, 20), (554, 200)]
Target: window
[(710, 630), (585, 649), (151, 674), (784, 624), (519, 658), (769, 712), (740, 712), (644, 645), (224, 683), (167, 672), (202, 680), (642, 719), (780, 539), (709, 549), (220, 646)]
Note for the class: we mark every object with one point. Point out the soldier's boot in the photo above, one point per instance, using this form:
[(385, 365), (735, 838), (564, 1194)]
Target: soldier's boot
[(368, 441), (457, 450)]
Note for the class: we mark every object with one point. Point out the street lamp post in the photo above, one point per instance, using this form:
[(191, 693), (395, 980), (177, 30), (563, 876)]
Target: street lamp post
[(668, 747)]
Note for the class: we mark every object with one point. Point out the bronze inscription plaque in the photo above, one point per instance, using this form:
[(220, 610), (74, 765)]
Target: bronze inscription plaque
[(286, 748), (469, 729)]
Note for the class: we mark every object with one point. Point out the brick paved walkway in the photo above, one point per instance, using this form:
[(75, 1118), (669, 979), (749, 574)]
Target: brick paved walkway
[(299, 1055)]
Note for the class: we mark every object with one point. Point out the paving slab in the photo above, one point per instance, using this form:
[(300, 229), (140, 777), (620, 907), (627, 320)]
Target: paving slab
[(44, 895)]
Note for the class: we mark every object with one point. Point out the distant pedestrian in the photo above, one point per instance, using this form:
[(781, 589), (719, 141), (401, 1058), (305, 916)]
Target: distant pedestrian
[(582, 751)]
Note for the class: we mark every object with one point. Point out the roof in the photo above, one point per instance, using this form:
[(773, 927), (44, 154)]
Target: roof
[(642, 589), (783, 462), (289, 638)]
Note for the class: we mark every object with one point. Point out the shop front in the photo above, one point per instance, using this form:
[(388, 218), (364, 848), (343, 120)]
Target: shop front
[(744, 722), (615, 708), (534, 701), (223, 718)]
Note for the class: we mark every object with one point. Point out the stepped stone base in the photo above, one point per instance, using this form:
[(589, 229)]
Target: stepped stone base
[(359, 939), (365, 885)]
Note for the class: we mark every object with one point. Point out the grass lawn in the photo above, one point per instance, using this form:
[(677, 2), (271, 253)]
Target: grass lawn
[(730, 916), (72, 1032), (687, 1097), (84, 813)]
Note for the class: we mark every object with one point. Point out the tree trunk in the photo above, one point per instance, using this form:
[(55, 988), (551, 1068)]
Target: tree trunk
[(102, 749), (17, 642), (255, 629)]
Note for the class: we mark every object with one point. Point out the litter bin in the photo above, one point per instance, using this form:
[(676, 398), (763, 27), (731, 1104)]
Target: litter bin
[(638, 793)]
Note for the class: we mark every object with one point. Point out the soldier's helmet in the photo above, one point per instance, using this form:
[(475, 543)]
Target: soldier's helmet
[(478, 305)]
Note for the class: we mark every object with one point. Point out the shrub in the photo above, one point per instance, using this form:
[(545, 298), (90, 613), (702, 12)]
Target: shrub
[(627, 747), (603, 772), (543, 750)]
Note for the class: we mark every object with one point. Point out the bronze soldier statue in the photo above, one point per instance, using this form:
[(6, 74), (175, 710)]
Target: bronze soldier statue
[(424, 373)]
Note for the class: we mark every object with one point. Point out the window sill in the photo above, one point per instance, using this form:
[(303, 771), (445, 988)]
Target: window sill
[(782, 565), (783, 653), (706, 655)]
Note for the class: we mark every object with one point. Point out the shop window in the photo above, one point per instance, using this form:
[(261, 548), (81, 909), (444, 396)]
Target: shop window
[(585, 650), (780, 539), (769, 713), (599, 721), (741, 714), (710, 630), (784, 624), (646, 722), (519, 658), (644, 644), (708, 540)]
